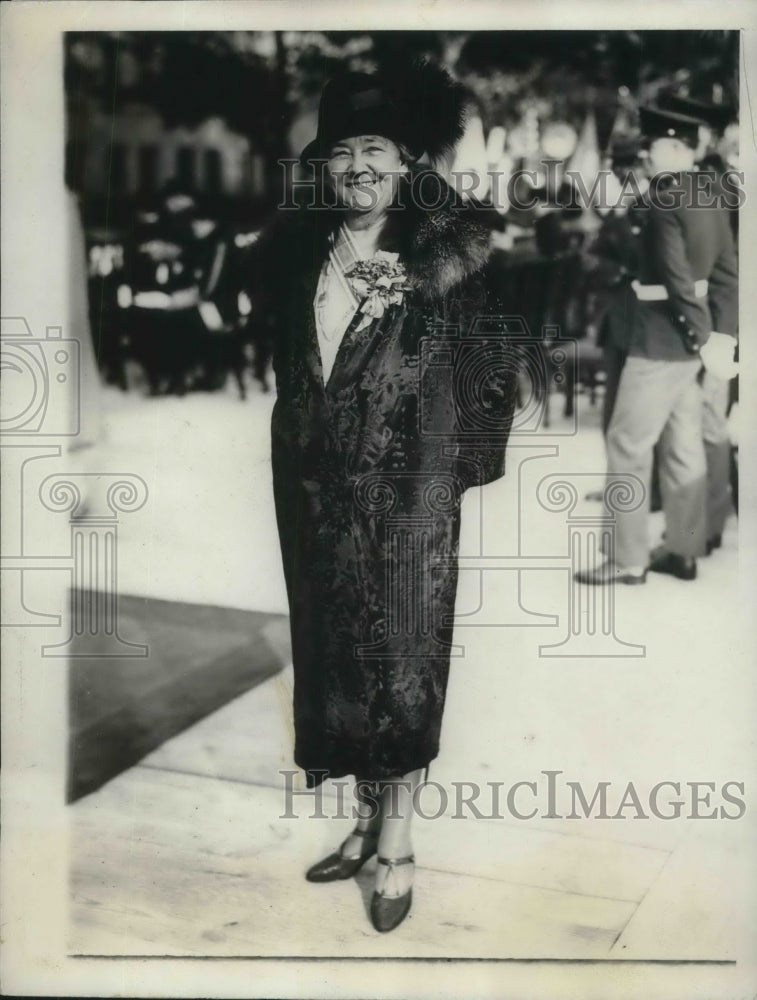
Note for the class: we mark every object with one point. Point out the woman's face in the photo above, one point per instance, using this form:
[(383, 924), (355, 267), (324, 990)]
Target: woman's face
[(364, 172)]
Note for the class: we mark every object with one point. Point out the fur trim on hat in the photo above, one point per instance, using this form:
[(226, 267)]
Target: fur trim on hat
[(415, 104), (435, 102)]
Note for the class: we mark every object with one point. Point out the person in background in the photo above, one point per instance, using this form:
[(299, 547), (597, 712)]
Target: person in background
[(717, 393), (557, 219), (686, 316), (619, 245), (713, 120), (213, 259), (717, 148), (615, 258), (161, 293)]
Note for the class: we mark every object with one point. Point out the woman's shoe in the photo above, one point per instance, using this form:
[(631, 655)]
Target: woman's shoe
[(387, 911), (336, 866)]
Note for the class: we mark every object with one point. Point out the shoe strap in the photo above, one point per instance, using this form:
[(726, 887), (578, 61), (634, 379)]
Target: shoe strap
[(392, 862), (355, 833)]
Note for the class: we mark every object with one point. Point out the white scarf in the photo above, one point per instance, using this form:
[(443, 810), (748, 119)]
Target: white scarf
[(335, 302)]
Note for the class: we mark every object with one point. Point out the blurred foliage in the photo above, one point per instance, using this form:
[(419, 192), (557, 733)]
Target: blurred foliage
[(258, 81), (186, 77), (563, 74)]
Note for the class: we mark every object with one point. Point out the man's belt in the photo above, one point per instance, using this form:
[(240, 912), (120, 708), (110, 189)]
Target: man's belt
[(658, 293)]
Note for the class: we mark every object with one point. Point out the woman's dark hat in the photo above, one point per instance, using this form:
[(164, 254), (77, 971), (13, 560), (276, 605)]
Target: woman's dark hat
[(715, 116), (659, 124), (419, 106)]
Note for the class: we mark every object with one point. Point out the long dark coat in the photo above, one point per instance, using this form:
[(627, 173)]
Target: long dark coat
[(368, 473)]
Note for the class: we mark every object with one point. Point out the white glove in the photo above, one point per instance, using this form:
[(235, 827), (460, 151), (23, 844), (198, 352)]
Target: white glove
[(733, 425), (717, 355)]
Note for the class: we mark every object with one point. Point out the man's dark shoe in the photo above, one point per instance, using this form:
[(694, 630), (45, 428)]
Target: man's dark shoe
[(682, 567), (609, 572), (714, 543)]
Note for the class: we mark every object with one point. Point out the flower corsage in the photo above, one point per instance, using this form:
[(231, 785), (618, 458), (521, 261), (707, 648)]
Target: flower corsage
[(378, 283)]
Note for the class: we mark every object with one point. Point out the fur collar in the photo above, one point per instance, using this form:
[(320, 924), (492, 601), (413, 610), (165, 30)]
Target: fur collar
[(442, 245), (446, 245)]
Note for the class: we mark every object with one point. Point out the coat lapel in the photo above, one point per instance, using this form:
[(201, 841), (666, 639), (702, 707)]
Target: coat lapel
[(312, 351), (356, 348)]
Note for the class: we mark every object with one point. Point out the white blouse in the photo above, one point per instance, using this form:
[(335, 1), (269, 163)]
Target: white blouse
[(335, 303)]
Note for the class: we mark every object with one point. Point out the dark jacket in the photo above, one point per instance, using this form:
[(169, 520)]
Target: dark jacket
[(680, 245), (720, 170), (368, 475)]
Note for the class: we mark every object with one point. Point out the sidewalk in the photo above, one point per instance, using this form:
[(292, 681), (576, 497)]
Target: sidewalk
[(188, 854)]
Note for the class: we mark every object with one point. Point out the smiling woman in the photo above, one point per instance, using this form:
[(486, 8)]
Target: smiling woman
[(364, 172), (369, 451)]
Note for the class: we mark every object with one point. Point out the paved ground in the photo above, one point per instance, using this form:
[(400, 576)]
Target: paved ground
[(190, 852)]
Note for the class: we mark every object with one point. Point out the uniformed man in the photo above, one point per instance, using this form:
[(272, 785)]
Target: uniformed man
[(713, 120), (161, 293), (686, 316), (718, 141)]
